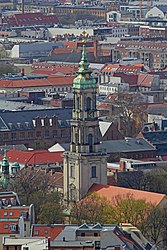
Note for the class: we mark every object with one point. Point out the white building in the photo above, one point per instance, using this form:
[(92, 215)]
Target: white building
[(30, 243), (155, 12), (109, 88), (113, 16)]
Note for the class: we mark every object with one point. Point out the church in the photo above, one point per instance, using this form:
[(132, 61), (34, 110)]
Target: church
[(85, 163)]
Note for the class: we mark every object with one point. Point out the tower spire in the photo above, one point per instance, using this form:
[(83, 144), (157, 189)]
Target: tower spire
[(84, 80)]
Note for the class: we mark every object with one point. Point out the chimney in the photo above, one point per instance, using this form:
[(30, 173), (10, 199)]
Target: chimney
[(95, 49), (22, 72)]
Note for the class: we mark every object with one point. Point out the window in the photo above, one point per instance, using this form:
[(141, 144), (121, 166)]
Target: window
[(23, 214), (6, 226), (36, 232), (22, 134), (72, 171), (46, 231), (90, 142), (38, 134), (30, 134), (46, 133), (93, 174), (13, 135), (82, 234), (5, 202), (6, 136), (13, 227), (95, 234), (13, 201), (11, 213), (88, 104), (54, 133), (5, 214)]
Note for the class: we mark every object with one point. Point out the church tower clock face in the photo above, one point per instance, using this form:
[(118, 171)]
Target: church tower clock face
[(85, 163)]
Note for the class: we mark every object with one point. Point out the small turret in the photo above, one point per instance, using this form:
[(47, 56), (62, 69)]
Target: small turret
[(5, 172), (5, 164)]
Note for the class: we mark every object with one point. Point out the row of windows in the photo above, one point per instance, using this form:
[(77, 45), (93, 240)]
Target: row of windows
[(23, 135), (13, 227), (6, 202)]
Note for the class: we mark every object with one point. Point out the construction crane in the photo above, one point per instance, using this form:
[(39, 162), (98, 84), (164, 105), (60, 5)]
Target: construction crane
[(149, 5), (140, 6)]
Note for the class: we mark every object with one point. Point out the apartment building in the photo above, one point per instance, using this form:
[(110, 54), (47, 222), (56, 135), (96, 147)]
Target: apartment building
[(152, 54)]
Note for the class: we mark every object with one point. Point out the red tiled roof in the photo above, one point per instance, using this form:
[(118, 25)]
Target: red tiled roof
[(59, 68), (148, 159), (37, 157), (61, 50), (23, 19), (51, 231), (104, 105), (16, 212), (144, 80), (110, 192), (110, 68), (157, 105), (50, 81)]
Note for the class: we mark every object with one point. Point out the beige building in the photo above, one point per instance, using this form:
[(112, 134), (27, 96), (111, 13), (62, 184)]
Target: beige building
[(85, 163)]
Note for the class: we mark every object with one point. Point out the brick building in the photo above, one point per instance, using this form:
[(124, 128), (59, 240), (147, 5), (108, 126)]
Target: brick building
[(156, 33), (35, 128)]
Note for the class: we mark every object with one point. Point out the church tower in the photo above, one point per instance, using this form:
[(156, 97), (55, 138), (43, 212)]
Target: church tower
[(85, 163)]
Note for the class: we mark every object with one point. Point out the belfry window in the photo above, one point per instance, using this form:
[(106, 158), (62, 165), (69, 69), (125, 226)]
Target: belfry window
[(93, 174), (78, 103), (88, 104), (90, 142)]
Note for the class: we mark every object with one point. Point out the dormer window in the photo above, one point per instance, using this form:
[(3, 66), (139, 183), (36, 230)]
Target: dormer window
[(13, 227)]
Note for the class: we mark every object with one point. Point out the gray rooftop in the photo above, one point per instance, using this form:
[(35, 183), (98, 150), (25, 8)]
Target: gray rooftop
[(127, 145), (17, 106), (11, 120)]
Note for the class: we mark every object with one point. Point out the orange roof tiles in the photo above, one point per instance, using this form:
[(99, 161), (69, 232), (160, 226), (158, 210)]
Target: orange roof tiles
[(110, 68), (110, 192), (50, 81), (51, 231), (59, 68), (37, 157)]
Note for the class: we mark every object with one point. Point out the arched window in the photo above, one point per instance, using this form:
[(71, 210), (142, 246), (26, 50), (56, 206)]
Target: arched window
[(78, 103), (90, 142), (88, 103)]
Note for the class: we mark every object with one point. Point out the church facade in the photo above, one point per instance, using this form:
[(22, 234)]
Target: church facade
[(85, 163)]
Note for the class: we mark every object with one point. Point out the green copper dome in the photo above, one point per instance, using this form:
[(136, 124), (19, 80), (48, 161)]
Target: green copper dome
[(84, 79)]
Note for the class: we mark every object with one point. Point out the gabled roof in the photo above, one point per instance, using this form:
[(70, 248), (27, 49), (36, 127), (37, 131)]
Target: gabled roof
[(26, 117), (33, 157), (104, 126), (51, 231), (110, 192), (22, 19), (50, 81)]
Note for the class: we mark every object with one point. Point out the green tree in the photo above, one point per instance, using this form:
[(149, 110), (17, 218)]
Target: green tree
[(130, 210), (33, 187), (92, 209), (6, 69), (153, 228), (132, 110), (51, 210)]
